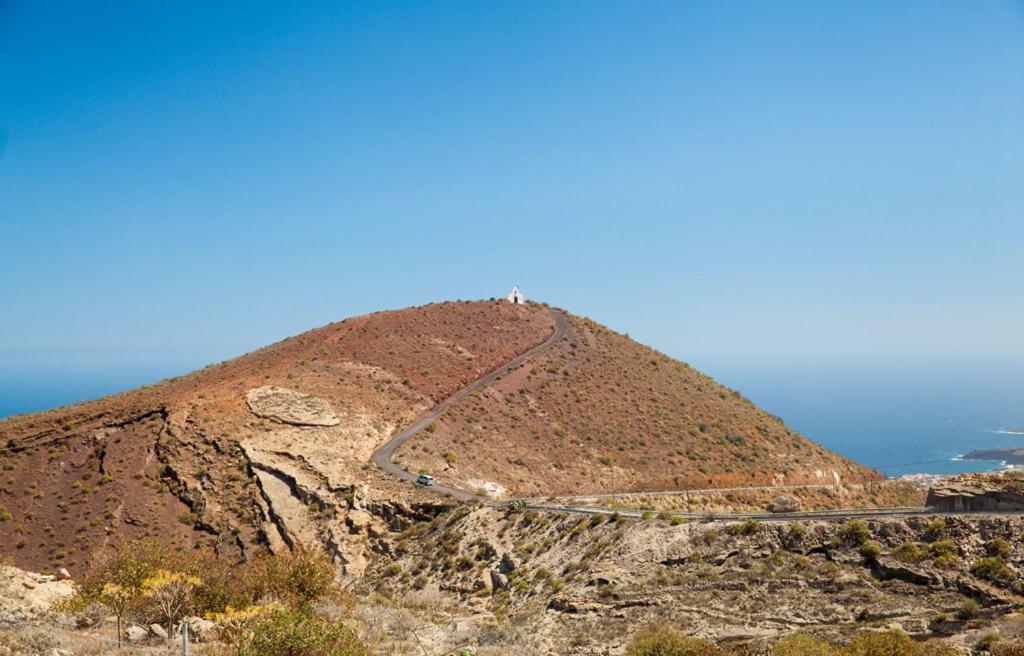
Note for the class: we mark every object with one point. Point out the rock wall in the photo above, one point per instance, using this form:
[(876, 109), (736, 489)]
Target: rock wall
[(975, 495)]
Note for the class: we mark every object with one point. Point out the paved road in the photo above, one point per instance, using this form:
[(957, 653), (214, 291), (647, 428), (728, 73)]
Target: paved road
[(382, 457), (839, 514), (843, 514), (583, 499)]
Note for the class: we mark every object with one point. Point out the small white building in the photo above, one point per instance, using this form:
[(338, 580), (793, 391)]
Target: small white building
[(515, 296)]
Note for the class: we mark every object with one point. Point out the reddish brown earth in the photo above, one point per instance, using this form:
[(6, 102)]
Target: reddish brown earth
[(164, 461), (600, 412), (188, 462)]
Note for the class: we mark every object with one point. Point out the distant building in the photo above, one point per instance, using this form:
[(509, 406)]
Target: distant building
[(515, 296)]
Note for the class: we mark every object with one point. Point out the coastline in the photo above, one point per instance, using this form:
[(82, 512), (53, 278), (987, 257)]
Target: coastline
[(1008, 456)]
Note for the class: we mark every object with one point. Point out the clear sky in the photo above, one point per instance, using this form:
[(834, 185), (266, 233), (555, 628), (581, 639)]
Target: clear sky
[(812, 180)]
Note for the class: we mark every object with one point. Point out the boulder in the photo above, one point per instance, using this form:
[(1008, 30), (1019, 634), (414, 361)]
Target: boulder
[(784, 504), (358, 521), (201, 630), (63, 575), (135, 634), (498, 580), (891, 569), (158, 631), (508, 563)]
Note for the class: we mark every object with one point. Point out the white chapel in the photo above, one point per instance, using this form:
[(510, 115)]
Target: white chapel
[(515, 296)]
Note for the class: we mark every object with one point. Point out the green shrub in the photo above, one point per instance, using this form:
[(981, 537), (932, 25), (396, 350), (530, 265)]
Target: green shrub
[(870, 551), (943, 548), (854, 533), (894, 643), (886, 643), (910, 552), (935, 530), (999, 548), (994, 569), (5, 515), (986, 641), (296, 578), (801, 644), (666, 641), (291, 632), (746, 527), (968, 610)]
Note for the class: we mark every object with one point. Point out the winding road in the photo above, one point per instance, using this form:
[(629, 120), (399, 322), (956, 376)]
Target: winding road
[(382, 457)]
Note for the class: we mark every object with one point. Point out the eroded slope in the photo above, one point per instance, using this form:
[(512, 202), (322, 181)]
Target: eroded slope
[(203, 460)]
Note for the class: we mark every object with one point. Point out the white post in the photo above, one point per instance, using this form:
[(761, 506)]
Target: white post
[(184, 637)]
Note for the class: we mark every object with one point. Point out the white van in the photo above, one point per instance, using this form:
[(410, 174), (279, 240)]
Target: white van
[(424, 479)]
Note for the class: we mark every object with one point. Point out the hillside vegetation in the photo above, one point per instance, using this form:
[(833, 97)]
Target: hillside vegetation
[(600, 412)]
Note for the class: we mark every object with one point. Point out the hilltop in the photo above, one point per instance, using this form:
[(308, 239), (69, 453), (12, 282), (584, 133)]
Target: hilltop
[(273, 448)]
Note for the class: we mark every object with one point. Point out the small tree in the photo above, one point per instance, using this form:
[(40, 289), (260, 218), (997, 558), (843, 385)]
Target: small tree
[(172, 592), (118, 599)]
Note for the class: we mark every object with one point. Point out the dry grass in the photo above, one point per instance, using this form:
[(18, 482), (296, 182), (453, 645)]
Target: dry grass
[(602, 413)]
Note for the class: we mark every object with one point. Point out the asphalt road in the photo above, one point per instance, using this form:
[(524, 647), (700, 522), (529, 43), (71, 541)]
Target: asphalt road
[(383, 456)]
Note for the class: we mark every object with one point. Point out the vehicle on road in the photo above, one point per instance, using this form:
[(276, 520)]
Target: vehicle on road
[(425, 479)]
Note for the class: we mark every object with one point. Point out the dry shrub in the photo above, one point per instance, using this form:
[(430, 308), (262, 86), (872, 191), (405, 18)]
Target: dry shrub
[(1007, 648), (269, 601), (886, 643), (296, 579), (295, 632), (663, 640), (29, 642)]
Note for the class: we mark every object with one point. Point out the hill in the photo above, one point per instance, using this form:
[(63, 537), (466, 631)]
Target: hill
[(274, 447), (599, 412)]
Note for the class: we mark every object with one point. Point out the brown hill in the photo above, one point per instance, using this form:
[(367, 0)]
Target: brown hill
[(599, 412), (274, 447)]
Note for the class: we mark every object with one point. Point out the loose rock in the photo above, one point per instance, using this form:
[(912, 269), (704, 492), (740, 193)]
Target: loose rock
[(135, 634)]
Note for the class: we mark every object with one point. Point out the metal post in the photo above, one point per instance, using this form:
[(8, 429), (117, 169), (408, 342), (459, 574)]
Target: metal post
[(184, 637)]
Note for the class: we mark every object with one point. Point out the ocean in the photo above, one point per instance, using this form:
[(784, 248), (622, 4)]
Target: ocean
[(900, 418)]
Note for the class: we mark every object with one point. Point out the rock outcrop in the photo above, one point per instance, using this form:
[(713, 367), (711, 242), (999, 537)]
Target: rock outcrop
[(978, 492), (27, 596), (291, 407), (784, 504)]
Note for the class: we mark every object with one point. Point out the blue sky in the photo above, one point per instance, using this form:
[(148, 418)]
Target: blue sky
[(183, 182)]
